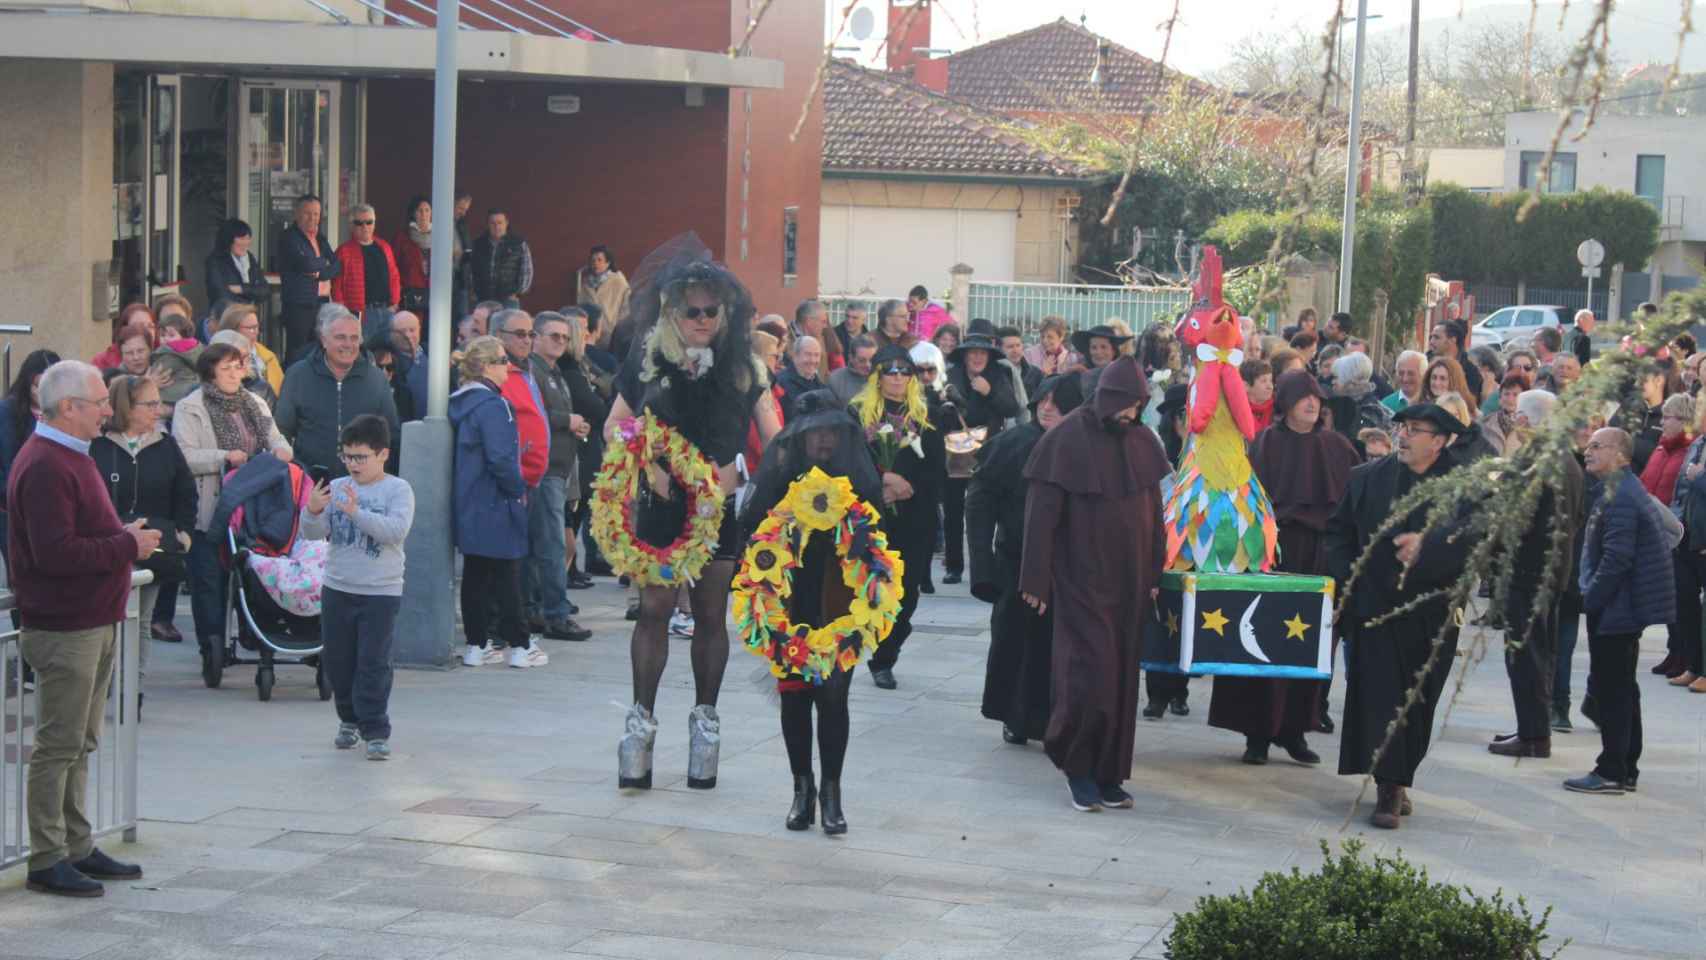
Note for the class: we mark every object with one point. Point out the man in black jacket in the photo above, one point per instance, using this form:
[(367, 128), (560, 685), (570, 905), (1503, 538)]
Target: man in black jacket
[(327, 389), (502, 261), (545, 576), (1013, 348), (307, 265)]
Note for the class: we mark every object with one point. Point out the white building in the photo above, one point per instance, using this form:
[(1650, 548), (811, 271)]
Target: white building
[(1659, 158)]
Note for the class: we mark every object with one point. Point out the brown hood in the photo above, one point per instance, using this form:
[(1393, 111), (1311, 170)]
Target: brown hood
[(1292, 387), (1121, 386)]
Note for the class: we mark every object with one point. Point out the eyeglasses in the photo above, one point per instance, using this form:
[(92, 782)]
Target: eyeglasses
[(387, 367), (709, 313), (362, 223), (1415, 431), (355, 459), (102, 402), (521, 334), (148, 403), (897, 370)]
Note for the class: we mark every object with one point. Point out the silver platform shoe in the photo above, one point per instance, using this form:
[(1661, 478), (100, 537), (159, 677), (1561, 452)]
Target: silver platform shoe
[(634, 752), (704, 740)]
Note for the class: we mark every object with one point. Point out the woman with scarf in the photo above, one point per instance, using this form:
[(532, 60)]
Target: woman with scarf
[(900, 427), (601, 283), (1258, 380), (220, 426), (692, 368), (1499, 426), (1017, 678), (412, 247), (1050, 354), (1306, 469), (820, 436)]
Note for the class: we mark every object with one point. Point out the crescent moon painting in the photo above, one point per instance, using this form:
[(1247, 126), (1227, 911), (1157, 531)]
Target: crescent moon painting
[(1247, 633)]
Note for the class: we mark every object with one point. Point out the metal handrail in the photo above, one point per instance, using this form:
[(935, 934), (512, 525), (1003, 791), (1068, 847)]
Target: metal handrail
[(556, 30), (512, 28), (571, 20), (328, 11), (418, 5)]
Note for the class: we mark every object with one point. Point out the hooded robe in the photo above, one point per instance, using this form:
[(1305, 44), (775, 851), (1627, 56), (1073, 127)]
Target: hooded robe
[(1306, 475), (1093, 552), (1016, 681)]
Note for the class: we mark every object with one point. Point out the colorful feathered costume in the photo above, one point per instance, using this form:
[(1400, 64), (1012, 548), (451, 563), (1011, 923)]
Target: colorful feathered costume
[(1218, 517)]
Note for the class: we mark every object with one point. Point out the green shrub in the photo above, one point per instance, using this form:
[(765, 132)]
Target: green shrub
[(1477, 238), (1355, 910)]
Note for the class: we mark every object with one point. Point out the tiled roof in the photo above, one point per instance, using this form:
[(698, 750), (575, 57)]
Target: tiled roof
[(882, 122), (1047, 69)]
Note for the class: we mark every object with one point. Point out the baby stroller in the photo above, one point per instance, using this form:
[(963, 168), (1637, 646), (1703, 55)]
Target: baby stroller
[(272, 598)]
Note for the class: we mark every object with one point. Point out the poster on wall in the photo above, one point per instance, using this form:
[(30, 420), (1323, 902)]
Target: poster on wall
[(127, 210)]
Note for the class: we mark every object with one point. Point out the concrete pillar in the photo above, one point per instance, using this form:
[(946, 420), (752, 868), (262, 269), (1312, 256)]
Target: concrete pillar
[(960, 294), (1521, 292), (57, 278), (1614, 294), (426, 625)]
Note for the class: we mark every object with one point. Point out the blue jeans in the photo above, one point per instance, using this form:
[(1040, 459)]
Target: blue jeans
[(1569, 628), (357, 632), (207, 586), (545, 583), (375, 322)]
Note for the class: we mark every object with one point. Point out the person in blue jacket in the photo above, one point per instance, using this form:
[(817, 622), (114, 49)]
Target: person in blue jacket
[(490, 507)]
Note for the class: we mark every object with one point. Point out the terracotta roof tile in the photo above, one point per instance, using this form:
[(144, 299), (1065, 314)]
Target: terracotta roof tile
[(879, 121), (1047, 69)]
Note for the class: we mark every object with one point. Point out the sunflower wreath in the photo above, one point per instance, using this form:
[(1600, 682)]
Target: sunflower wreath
[(765, 581), (637, 442)]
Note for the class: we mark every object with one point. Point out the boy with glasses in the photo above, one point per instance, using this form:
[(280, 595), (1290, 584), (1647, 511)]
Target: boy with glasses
[(371, 512)]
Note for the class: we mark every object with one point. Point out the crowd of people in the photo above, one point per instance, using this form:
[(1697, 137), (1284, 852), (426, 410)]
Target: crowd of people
[(1035, 469)]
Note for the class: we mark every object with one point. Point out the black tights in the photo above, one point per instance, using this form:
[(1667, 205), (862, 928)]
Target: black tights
[(832, 725), (649, 648)]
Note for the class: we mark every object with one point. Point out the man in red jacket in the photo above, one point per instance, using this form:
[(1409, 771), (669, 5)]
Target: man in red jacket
[(70, 568), (368, 283), (515, 329)]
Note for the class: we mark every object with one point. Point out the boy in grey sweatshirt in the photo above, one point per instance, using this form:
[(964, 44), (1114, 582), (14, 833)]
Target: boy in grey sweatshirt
[(366, 516)]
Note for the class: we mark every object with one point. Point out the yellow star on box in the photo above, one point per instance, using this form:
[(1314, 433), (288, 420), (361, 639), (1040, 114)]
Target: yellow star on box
[(1172, 622), (1213, 620), (1295, 627)]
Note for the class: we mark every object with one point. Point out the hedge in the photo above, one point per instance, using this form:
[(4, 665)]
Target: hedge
[(1478, 239)]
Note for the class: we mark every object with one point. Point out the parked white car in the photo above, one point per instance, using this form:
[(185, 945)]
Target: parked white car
[(1518, 325)]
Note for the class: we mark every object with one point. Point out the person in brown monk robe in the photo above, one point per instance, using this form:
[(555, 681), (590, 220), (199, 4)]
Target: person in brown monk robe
[(1305, 468), (1094, 551)]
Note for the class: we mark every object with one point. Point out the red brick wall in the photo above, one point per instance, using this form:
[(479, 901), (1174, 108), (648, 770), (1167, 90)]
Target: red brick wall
[(632, 169)]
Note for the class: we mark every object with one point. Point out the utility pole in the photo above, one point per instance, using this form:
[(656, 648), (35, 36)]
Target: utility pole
[(1410, 93), (1353, 162)]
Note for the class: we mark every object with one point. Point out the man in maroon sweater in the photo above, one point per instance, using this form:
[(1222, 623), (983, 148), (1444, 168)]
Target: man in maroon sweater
[(70, 569)]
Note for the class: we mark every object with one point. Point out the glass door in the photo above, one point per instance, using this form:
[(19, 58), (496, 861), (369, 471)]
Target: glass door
[(164, 271), (289, 148)]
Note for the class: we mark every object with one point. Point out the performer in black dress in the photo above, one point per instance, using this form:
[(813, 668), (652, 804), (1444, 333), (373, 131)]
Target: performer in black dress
[(1016, 681), (907, 447), (691, 367), (820, 435)]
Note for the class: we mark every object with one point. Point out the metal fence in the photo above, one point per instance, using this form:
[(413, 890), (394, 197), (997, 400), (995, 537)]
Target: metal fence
[(111, 803), (1024, 305)]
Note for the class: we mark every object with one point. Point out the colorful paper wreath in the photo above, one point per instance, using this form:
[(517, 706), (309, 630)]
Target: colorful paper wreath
[(817, 502), (617, 488)]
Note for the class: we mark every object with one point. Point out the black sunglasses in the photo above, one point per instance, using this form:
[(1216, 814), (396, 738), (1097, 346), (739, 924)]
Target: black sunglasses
[(709, 313), (362, 223), (897, 369)]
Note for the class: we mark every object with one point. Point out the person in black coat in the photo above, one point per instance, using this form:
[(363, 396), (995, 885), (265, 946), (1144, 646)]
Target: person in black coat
[(1016, 682), (906, 443), (593, 405), (307, 264), (233, 273), (991, 392)]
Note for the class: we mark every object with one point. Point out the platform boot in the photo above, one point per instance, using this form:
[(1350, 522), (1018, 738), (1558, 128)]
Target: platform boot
[(704, 740), (634, 752)]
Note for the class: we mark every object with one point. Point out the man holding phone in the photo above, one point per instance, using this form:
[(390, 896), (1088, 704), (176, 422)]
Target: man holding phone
[(70, 562)]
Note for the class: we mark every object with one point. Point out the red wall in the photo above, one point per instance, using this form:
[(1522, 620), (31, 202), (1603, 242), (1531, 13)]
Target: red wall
[(636, 166), (632, 169)]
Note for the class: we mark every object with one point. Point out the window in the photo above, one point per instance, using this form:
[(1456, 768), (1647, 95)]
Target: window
[(1562, 180), (1650, 179), (790, 245), (1499, 320), (1529, 318)]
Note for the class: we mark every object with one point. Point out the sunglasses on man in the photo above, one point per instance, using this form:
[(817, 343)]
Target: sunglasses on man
[(897, 370), (709, 313)]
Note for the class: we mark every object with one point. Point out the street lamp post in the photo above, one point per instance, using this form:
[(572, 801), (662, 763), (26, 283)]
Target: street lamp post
[(1353, 166)]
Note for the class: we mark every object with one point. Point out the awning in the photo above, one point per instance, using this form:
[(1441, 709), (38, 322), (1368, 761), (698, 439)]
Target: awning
[(172, 44)]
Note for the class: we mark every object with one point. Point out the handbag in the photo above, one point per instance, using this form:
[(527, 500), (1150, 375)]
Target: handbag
[(962, 446)]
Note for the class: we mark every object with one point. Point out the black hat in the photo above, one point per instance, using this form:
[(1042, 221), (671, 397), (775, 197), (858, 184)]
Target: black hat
[(1173, 401), (976, 341), (1081, 339), (1430, 413), (978, 325), (1066, 388), (891, 353)]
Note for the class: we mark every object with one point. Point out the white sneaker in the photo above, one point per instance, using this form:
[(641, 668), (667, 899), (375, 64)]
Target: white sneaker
[(681, 624), (473, 656), (493, 656), (519, 659), (535, 656)]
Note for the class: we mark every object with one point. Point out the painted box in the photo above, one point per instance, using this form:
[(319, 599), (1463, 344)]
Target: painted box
[(1242, 624)]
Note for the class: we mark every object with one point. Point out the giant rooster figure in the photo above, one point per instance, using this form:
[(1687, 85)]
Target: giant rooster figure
[(1218, 516)]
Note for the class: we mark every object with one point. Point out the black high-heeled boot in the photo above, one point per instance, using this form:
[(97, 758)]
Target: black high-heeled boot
[(830, 796), (804, 810)]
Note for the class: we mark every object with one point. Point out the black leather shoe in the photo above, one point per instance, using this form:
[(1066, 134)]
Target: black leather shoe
[(63, 880), (1008, 735), (927, 587), (579, 581), (804, 811), (598, 568), (830, 796), (102, 867), (1299, 751), (884, 679), (1180, 706), (950, 578), (566, 629), (1255, 752), (1154, 709)]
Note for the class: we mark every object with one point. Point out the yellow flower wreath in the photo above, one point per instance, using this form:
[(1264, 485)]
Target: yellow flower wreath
[(641, 441), (814, 503)]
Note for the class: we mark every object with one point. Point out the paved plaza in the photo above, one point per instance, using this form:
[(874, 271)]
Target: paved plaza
[(497, 833)]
